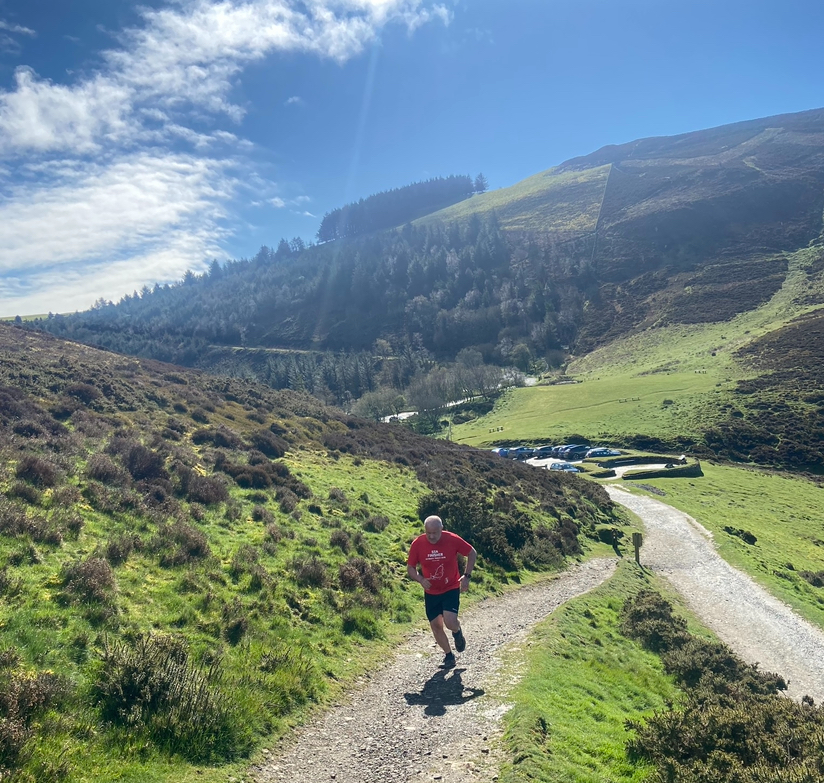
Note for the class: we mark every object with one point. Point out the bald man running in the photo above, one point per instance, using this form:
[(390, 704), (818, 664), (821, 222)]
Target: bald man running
[(436, 552)]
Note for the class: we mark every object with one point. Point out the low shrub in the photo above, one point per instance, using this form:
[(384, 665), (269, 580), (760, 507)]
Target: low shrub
[(85, 392), (358, 572), (101, 467), (262, 514), (37, 471), (24, 697), (648, 618), (376, 523), (180, 543), (270, 444), (744, 535), (150, 686), (89, 581), (208, 490), (24, 491), (341, 540), (310, 572)]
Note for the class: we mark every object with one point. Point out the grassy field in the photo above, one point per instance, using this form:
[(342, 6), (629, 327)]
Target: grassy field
[(782, 512), (583, 679), (608, 407)]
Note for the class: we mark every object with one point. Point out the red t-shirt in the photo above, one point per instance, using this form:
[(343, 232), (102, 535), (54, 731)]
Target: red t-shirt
[(439, 562)]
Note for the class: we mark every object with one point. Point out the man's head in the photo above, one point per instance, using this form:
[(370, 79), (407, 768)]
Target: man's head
[(434, 527)]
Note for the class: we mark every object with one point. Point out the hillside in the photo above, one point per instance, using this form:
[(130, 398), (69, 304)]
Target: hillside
[(687, 229), (708, 238), (187, 561)]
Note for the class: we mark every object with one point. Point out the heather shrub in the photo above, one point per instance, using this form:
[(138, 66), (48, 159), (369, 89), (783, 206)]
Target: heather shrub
[(243, 561), (101, 467), (270, 444), (310, 572), (358, 572), (151, 687), (287, 499), (143, 463), (85, 392), (208, 490), (376, 523), (118, 548), (180, 543), (341, 540), (262, 514), (88, 581), (24, 491), (337, 495), (37, 471), (24, 698), (235, 622)]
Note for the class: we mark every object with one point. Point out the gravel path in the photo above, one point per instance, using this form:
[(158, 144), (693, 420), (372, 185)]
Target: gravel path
[(759, 627), (416, 722)]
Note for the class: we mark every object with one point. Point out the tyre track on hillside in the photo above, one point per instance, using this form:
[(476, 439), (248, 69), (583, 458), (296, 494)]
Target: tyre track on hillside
[(756, 625), (415, 722)]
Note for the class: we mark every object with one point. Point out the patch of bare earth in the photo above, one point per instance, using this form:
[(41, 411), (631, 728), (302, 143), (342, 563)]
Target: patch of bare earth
[(413, 721)]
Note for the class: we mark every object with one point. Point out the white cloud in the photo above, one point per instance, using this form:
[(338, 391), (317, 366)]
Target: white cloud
[(101, 195), (16, 28), (294, 100)]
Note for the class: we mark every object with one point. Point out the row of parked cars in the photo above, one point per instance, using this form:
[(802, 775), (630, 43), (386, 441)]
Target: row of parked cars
[(565, 451)]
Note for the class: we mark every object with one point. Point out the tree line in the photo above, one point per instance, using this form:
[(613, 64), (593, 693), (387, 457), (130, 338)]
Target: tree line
[(398, 206)]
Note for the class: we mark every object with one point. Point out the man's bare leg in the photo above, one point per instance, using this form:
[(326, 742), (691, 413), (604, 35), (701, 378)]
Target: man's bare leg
[(438, 632)]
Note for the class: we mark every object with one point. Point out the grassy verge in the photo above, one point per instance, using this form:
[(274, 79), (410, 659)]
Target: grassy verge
[(583, 680), (782, 512)]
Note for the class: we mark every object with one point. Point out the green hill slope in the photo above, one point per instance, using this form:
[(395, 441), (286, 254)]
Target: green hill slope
[(187, 563)]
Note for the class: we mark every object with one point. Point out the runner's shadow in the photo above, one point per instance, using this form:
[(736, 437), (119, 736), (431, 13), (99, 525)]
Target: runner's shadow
[(442, 689)]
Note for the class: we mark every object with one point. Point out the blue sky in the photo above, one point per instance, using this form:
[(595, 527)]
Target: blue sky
[(139, 141)]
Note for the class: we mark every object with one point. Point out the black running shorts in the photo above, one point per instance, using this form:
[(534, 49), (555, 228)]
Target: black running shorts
[(445, 602)]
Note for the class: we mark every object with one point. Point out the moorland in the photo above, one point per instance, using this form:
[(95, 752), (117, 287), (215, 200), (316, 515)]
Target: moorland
[(194, 556)]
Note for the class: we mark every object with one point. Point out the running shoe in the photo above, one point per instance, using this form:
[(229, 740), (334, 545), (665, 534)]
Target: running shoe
[(448, 661), (460, 641)]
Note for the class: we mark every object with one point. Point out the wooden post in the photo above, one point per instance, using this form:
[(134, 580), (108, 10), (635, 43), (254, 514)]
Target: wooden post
[(637, 540)]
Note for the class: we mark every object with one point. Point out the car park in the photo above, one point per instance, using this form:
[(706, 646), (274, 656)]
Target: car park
[(575, 451), (565, 466), (602, 451), (522, 452)]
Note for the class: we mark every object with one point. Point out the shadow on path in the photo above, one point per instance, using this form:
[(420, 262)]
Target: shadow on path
[(442, 689)]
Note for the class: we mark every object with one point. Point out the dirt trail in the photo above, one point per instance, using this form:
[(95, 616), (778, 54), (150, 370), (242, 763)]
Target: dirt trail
[(757, 626), (416, 722)]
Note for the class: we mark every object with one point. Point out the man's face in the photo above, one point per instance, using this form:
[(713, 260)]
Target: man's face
[(433, 533)]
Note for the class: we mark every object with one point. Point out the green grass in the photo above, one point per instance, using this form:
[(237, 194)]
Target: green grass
[(784, 514), (549, 201), (583, 680), (598, 407)]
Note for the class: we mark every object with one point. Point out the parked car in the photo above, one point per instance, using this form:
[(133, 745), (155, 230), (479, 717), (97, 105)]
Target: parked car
[(522, 452), (501, 452), (542, 452), (602, 451), (565, 466), (556, 450), (576, 451)]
